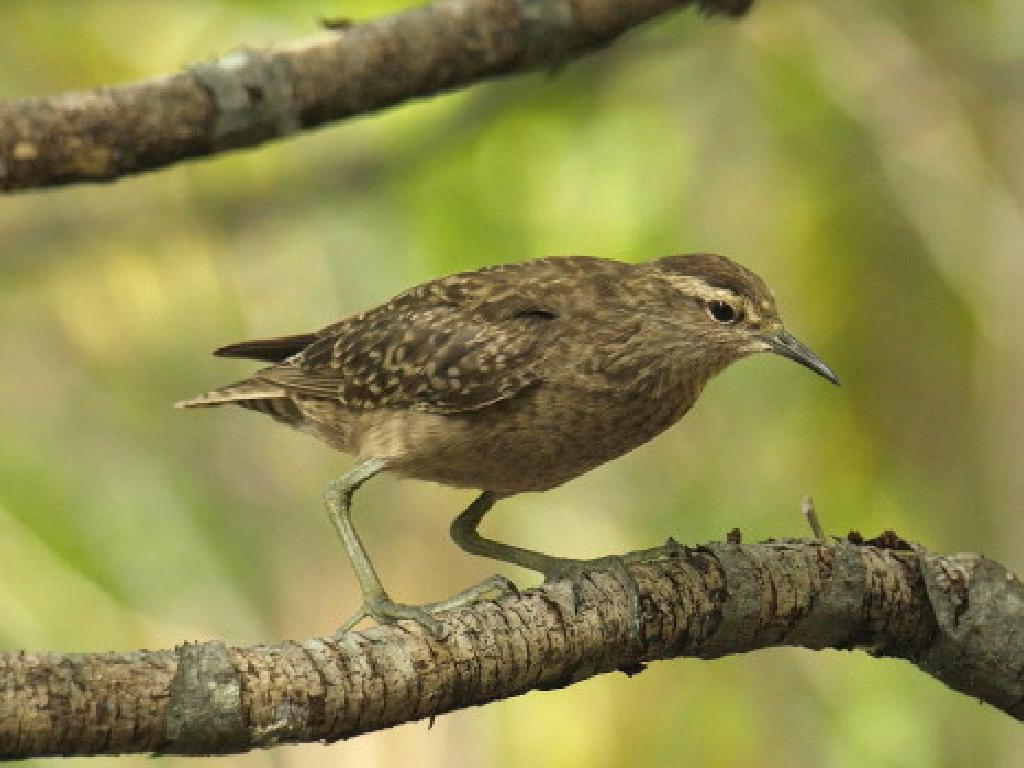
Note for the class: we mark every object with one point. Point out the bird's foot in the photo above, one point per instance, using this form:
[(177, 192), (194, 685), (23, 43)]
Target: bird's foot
[(669, 550), (383, 610), (574, 571)]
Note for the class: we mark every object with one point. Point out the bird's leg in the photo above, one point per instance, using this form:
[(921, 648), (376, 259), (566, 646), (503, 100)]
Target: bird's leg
[(464, 533), (376, 603)]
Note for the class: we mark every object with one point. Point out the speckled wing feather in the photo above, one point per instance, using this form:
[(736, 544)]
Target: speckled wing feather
[(454, 344)]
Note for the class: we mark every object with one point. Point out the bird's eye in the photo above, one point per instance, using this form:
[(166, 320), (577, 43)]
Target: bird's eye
[(722, 312)]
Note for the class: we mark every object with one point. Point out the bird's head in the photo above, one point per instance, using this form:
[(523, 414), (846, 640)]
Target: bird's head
[(727, 312)]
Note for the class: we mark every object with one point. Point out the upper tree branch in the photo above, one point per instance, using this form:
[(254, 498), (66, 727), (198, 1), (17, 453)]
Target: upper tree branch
[(253, 95), (958, 618)]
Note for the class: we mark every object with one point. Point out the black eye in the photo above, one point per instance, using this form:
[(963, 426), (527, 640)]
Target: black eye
[(722, 312)]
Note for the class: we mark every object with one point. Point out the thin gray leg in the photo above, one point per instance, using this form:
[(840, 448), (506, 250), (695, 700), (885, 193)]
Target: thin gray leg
[(376, 603), (464, 533), (339, 504)]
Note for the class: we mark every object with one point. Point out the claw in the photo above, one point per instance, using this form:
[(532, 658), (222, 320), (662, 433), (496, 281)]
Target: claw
[(672, 548), (510, 587)]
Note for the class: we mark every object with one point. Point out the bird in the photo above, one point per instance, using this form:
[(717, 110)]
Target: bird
[(509, 379)]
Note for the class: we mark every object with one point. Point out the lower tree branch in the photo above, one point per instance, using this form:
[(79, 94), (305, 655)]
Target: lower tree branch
[(253, 95), (957, 617)]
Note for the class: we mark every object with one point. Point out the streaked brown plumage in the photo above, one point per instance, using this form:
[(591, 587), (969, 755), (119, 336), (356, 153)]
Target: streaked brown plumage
[(516, 377)]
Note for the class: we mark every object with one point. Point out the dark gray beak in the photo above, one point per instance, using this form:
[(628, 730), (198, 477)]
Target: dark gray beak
[(786, 344)]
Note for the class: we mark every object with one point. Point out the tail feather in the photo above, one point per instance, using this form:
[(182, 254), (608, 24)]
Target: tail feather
[(247, 390), (275, 350)]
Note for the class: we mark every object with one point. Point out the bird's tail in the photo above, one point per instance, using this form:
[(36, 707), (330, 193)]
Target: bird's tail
[(241, 392)]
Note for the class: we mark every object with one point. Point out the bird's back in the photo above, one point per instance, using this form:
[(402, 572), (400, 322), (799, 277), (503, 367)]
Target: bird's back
[(452, 345)]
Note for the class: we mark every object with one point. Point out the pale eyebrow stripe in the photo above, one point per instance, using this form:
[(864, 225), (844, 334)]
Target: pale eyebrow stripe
[(695, 286), (704, 291)]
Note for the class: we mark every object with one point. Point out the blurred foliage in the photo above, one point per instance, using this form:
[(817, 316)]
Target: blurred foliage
[(865, 157)]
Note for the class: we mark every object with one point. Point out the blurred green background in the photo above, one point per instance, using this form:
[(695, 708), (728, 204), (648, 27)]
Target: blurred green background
[(865, 157)]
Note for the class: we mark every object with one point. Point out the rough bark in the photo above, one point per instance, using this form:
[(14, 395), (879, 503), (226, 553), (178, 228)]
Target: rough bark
[(959, 618), (251, 95)]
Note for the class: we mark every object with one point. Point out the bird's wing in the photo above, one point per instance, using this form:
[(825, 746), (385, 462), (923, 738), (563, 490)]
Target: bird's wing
[(448, 346)]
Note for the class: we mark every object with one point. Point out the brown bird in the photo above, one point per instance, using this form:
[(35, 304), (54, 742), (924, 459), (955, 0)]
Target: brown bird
[(508, 379)]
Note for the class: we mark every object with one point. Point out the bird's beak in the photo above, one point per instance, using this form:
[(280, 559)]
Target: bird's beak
[(782, 342)]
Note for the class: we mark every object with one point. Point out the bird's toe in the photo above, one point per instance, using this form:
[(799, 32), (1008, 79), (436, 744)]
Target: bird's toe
[(385, 611)]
